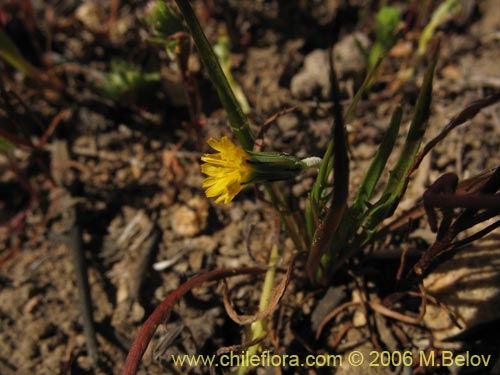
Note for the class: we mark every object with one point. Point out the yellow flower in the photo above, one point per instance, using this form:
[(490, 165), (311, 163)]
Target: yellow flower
[(228, 171), (232, 168)]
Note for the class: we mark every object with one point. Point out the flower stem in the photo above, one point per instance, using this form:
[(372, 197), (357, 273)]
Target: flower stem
[(239, 122), (291, 225), (259, 328)]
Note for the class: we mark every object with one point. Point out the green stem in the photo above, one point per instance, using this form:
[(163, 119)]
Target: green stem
[(287, 217), (259, 328), (324, 235), (239, 122)]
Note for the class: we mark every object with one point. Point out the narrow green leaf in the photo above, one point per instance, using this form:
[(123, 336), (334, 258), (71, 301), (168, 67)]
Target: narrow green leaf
[(370, 76), (397, 183), (315, 202), (6, 147), (9, 52), (323, 236), (222, 49), (445, 11), (238, 120), (386, 32), (378, 164)]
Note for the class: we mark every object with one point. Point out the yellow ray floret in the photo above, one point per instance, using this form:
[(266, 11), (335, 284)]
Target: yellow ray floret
[(227, 170)]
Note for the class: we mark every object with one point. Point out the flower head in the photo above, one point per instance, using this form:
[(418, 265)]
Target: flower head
[(232, 168), (228, 170)]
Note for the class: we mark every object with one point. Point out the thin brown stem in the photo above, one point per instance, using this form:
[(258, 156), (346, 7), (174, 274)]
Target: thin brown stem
[(161, 313)]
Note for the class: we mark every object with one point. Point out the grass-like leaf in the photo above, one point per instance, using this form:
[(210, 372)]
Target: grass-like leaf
[(9, 52), (397, 183), (238, 120), (6, 146), (318, 197), (355, 215), (378, 164), (324, 234)]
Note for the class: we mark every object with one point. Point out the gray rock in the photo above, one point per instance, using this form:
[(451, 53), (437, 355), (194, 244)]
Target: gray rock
[(350, 63), (313, 77), (348, 58)]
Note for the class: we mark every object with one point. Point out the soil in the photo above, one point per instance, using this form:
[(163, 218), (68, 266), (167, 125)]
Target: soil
[(119, 179)]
